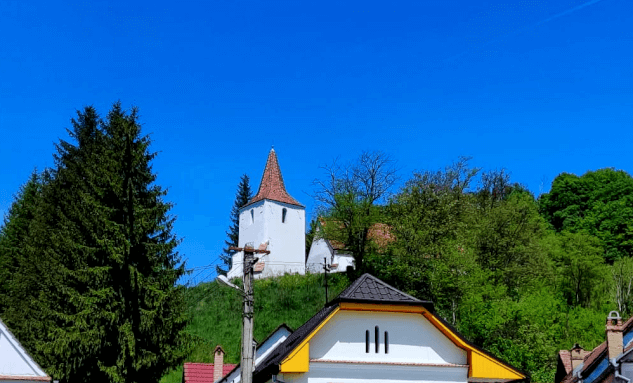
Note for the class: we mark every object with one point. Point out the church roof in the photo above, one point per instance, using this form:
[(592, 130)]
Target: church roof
[(272, 186)]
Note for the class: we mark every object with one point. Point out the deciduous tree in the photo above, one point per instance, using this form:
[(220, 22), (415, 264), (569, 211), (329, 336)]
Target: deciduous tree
[(349, 199)]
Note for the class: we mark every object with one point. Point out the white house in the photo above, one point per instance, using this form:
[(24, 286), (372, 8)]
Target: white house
[(373, 332), (274, 221), (336, 255), (331, 252), (264, 349), (16, 365)]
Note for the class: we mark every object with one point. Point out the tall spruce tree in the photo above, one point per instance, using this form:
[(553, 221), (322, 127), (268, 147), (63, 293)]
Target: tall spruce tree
[(13, 237), (242, 196), (106, 303)]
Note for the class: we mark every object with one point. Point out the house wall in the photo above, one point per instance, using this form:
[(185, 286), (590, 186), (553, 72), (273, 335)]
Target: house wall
[(342, 260), (412, 339), (12, 362), (15, 362), (318, 250), (357, 373)]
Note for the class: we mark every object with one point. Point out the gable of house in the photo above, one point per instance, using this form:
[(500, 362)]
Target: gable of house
[(15, 363), (374, 327)]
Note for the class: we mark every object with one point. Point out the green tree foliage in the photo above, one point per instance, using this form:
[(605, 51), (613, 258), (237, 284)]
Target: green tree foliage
[(599, 202), (475, 243), (100, 266), (349, 200), (622, 288), (13, 235), (242, 196)]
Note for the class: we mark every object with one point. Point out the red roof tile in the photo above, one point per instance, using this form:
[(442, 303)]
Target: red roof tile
[(272, 185), (203, 372), (380, 233), (565, 357)]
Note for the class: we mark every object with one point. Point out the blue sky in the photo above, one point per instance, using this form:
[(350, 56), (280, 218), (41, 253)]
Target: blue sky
[(536, 87)]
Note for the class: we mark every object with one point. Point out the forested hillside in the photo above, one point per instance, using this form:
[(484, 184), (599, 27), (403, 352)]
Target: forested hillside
[(87, 254), (518, 275)]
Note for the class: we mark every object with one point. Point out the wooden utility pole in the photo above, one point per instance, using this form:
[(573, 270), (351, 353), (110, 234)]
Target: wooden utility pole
[(325, 270), (247, 315)]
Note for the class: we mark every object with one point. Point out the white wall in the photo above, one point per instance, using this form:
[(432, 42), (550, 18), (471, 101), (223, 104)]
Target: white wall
[(356, 373), (14, 361), (412, 339), (262, 222), (318, 250), (342, 260)]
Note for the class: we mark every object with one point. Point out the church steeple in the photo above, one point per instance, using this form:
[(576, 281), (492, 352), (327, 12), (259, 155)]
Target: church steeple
[(272, 184)]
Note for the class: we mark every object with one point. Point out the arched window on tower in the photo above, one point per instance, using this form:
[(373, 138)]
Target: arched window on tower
[(252, 216), (283, 215)]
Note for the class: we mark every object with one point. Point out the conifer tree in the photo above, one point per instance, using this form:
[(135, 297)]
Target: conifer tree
[(13, 236), (242, 196), (107, 307)]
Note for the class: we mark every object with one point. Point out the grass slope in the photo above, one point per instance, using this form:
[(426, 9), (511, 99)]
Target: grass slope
[(216, 312)]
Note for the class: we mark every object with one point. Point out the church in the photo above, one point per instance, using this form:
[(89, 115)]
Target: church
[(272, 220)]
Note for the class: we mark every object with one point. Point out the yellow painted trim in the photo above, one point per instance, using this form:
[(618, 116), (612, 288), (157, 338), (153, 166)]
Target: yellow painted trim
[(303, 357), (483, 366), (480, 364), (300, 362), (351, 306)]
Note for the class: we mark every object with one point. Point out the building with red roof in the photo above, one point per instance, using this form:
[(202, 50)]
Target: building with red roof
[(207, 372)]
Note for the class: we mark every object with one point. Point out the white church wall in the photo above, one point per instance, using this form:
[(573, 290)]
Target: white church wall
[(253, 224), (383, 373), (286, 239), (262, 222), (412, 339)]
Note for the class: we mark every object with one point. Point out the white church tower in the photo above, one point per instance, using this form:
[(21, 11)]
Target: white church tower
[(274, 221)]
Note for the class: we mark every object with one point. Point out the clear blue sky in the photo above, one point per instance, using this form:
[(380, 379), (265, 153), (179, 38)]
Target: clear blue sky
[(536, 87)]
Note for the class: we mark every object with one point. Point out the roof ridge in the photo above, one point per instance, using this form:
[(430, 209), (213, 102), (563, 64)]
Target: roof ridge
[(369, 288)]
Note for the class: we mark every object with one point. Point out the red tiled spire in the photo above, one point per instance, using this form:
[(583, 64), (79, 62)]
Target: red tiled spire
[(272, 185)]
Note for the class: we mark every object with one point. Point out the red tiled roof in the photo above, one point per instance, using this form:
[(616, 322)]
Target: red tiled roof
[(203, 372), (380, 233), (596, 354), (272, 185), (565, 357)]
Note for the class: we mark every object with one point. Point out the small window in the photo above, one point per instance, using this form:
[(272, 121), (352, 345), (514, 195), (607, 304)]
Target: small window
[(283, 215), (377, 339), (367, 341), (386, 342), (252, 216)]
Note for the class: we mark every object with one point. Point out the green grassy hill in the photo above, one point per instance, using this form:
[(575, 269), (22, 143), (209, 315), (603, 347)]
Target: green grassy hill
[(216, 312)]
